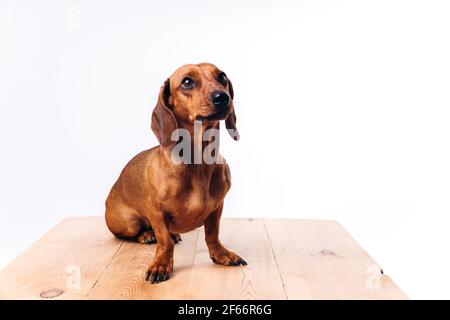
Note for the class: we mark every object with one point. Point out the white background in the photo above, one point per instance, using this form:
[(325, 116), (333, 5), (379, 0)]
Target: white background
[(343, 109)]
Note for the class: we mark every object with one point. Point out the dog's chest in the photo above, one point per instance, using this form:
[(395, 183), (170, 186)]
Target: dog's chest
[(197, 200), (194, 199), (199, 196)]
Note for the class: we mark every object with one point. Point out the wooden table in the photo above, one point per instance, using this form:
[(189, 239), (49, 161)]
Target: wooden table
[(287, 259)]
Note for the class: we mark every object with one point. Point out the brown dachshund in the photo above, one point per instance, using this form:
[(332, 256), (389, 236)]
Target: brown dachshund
[(155, 197)]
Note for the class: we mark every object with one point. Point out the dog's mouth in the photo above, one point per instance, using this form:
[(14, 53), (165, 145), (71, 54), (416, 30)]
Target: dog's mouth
[(219, 115)]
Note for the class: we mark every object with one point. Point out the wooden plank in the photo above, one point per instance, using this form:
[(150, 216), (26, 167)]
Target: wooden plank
[(124, 277), (295, 259), (320, 260), (64, 264), (195, 276), (260, 279)]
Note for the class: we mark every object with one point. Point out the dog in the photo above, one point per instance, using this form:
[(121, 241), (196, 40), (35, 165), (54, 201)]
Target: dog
[(156, 198)]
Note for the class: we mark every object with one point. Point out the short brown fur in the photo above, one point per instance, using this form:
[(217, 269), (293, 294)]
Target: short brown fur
[(155, 199)]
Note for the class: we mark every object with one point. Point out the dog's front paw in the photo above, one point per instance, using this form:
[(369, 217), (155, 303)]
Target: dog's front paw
[(227, 258), (160, 269)]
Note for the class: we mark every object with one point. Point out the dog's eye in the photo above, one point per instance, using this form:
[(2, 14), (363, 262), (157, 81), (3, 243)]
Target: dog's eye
[(222, 78), (187, 83)]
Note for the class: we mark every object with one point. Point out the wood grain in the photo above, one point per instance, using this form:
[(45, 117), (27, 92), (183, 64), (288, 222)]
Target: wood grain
[(294, 259), (64, 264), (320, 260), (124, 277), (258, 280)]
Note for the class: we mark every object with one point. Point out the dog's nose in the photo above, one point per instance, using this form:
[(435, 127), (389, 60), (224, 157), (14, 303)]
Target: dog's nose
[(220, 99)]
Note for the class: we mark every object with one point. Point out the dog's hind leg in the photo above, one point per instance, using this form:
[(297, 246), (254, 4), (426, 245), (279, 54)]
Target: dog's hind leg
[(126, 223), (148, 237), (145, 235), (175, 237)]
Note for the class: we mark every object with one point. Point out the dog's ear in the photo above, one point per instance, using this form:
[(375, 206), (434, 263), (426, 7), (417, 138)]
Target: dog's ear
[(163, 119), (230, 121)]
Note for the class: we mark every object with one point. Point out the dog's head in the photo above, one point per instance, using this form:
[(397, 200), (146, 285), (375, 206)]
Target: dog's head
[(194, 92)]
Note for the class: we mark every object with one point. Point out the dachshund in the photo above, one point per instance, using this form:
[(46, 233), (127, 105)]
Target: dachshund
[(156, 198)]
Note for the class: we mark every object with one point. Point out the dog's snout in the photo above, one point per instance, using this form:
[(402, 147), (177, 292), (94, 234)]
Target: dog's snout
[(220, 99)]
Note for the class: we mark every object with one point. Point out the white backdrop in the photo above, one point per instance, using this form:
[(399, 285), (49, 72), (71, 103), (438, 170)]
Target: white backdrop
[(343, 109)]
